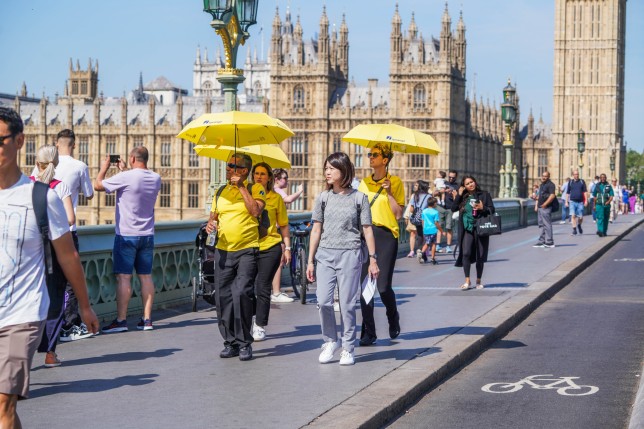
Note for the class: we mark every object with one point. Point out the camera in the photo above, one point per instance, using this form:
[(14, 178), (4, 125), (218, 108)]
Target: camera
[(114, 159)]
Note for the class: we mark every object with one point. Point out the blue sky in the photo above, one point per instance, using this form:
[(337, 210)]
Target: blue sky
[(505, 38)]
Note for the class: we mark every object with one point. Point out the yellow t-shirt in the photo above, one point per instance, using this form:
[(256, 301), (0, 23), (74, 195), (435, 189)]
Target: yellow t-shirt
[(237, 228), (277, 215), (381, 214)]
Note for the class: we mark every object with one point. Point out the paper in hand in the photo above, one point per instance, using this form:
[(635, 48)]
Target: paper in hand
[(368, 288)]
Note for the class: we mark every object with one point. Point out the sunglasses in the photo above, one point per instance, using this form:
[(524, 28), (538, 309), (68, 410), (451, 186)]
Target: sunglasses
[(373, 155), (451, 177), (3, 138), (234, 166)]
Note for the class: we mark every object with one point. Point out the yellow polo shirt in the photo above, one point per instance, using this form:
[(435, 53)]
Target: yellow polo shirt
[(381, 214), (277, 215), (237, 228)]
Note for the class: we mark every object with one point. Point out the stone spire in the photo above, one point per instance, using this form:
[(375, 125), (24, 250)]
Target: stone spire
[(276, 39), (446, 38), (461, 45), (323, 39), (413, 29), (396, 37), (343, 46)]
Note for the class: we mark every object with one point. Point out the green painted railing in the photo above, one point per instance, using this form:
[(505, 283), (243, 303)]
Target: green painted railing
[(174, 264)]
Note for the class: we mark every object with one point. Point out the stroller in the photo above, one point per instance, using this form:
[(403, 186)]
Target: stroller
[(203, 285)]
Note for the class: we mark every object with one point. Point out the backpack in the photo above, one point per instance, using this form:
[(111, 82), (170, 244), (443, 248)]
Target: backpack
[(416, 217), (263, 220), (55, 278)]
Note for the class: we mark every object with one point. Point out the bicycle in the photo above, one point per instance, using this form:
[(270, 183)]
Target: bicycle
[(299, 259), (531, 381)]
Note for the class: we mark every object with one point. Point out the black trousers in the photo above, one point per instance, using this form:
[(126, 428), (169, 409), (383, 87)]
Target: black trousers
[(268, 263), (71, 316), (387, 249), (234, 294), (469, 248)]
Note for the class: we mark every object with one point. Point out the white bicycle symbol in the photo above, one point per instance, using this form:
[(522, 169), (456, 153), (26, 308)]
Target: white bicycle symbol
[(564, 385)]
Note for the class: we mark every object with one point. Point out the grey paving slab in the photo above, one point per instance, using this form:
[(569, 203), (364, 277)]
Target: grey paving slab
[(172, 377)]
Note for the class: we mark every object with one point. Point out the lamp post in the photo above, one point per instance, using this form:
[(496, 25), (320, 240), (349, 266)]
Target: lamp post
[(230, 20), (509, 115), (581, 148), (612, 163)]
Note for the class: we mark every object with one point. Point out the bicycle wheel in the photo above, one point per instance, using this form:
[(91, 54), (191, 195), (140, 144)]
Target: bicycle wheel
[(502, 387), (295, 282), (577, 390), (194, 294), (301, 261)]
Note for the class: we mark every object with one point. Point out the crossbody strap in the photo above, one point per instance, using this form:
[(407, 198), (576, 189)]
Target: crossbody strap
[(39, 202)]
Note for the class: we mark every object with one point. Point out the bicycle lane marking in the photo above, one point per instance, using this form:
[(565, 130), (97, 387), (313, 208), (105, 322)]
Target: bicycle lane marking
[(563, 385)]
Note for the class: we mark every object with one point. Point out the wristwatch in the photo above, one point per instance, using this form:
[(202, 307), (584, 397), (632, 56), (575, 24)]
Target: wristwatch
[(374, 256)]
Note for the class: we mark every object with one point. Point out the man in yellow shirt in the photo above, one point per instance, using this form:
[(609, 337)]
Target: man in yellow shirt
[(234, 215)]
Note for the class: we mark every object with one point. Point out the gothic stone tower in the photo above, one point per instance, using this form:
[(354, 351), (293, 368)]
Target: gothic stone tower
[(588, 86), (82, 84), (304, 75)]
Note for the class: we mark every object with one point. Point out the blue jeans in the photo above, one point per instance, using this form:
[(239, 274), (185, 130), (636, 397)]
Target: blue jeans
[(133, 253)]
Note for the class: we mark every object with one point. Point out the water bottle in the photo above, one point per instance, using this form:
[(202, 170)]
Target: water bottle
[(212, 237)]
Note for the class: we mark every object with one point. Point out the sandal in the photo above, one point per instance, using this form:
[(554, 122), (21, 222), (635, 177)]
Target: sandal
[(479, 286), (466, 286)]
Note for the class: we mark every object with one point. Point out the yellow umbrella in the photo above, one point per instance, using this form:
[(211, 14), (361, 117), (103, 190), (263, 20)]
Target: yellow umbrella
[(236, 129), (399, 138), (271, 154)]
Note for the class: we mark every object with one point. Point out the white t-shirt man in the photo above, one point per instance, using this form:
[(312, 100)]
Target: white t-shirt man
[(74, 174), (23, 289)]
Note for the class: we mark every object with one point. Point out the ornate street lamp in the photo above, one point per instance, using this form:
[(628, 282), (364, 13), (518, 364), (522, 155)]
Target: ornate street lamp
[(230, 20), (612, 163), (581, 148), (509, 116)]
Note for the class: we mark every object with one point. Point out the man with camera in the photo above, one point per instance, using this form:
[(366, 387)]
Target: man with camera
[(234, 215), (136, 193)]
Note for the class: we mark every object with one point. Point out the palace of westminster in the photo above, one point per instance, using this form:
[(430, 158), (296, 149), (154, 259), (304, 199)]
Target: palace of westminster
[(305, 83)]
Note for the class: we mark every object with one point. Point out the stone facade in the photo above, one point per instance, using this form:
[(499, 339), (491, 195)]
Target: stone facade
[(588, 87), (311, 92), (305, 82)]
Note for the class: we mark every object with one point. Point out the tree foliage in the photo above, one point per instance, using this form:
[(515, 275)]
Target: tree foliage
[(634, 166)]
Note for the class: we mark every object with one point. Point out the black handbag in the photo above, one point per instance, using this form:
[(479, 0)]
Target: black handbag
[(488, 225)]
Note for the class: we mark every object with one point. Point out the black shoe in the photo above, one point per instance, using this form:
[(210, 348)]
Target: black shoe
[(434, 262), (574, 231), (581, 231), (394, 327), (228, 352), (368, 340), (245, 353)]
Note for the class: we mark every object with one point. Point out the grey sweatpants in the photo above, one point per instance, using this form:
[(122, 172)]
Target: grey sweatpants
[(341, 268), (545, 225)]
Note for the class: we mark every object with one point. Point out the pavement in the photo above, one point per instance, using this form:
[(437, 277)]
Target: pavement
[(172, 376)]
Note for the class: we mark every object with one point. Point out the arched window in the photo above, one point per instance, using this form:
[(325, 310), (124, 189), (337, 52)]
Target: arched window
[(298, 97), (207, 89), (257, 88), (420, 97)]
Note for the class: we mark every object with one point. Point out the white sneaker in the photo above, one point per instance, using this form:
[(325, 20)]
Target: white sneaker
[(259, 333), (336, 306), (281, 298), (328, 350), (346, 358), (75, 333), (419, 256)]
